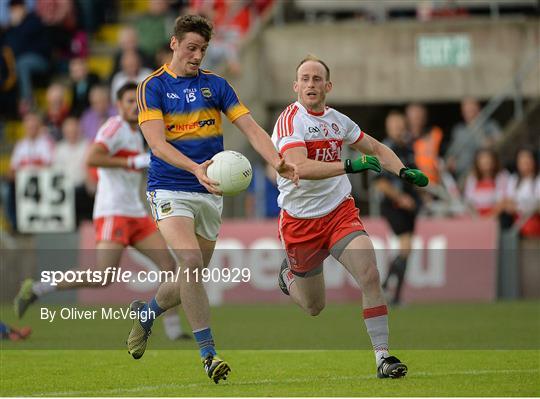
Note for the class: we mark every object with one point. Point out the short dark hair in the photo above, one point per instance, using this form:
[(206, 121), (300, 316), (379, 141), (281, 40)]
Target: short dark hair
[(193, 23), (311, 57), (128, 86)]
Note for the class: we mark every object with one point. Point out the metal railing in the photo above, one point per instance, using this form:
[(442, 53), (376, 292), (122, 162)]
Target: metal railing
[(511, 90)]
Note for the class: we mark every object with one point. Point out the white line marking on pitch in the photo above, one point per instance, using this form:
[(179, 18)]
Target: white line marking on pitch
[(146, 388)]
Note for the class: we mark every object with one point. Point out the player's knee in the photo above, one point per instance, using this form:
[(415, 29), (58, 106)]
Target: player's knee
[(370, 276), (191, 260)]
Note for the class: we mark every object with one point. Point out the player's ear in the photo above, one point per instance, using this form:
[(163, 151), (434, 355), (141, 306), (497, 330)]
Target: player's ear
[(173, 43), (328, 86), (295, 86)]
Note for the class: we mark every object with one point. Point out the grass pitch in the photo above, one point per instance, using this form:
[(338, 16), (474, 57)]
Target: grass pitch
[(451, 350)]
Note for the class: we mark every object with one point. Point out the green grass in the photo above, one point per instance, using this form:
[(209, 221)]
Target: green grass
[(267, 373), (451, 350)]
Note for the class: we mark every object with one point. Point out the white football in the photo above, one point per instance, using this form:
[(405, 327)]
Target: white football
[(232, 170)]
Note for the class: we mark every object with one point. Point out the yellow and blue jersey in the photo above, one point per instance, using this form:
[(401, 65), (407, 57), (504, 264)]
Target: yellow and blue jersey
[(190, 108)]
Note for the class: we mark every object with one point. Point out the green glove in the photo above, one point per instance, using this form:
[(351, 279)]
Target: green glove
[(365, 162), (414, 176)]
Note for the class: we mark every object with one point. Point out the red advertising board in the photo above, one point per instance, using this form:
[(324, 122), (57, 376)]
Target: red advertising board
[(452, 260)]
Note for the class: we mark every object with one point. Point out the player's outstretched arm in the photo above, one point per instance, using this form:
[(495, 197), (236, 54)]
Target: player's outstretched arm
[(310, 169), (98, 156), (261, 142), (154, 133), (390, 161)]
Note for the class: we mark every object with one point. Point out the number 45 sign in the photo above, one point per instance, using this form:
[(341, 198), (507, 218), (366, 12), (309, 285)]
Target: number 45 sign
[(45, 201)]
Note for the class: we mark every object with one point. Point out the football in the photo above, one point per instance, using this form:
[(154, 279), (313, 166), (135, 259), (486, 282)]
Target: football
[(232, 170)]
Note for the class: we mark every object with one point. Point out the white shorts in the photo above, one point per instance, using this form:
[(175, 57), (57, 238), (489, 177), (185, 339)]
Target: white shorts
[(204, 209)]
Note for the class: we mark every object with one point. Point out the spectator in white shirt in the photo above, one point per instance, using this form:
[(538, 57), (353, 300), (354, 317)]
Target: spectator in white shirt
[(522, 199), (486, 185), (35, 150), (131, 71), (71, 151), (70, 156)]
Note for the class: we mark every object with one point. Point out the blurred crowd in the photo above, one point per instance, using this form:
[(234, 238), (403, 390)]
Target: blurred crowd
[(47, 43), (40, 39)]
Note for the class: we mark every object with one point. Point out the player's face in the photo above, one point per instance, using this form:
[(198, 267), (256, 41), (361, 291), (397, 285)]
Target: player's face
[(525, 163), (311, 85), (188, 53), (486, 163), (128, 106), (396, 128)]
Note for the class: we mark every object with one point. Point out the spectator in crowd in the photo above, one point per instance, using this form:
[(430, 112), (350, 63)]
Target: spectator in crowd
[(81, 82), (223, 50), (163, 55), (464, 141), (29, 41), (261, 197), (426, 141), (36, 150), (153, 27), (4, 11), (131, 71), (228, 28), (128, 40), (401, 201), (100, 110), (57, 109), (486, 184), (60, 19), (94, 13), (70, 156), (522, 199), (12, 333)]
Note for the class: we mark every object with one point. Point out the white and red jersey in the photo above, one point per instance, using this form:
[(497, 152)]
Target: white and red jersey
[(36, 152), (118, 188), (323, 135)]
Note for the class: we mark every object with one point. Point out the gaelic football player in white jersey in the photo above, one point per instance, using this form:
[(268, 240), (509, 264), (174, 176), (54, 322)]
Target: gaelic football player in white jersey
[(120, 218), (319, 218)]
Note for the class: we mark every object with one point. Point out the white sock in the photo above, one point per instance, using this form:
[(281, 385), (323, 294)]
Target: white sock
[(376, 320), (40, 288), (380, 355), (171, 323)]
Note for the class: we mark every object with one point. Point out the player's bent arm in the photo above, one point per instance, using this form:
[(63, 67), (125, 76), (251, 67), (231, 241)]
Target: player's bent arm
[(258, 139), (388, 159), (98, 156), (154, 134), (310, 169)]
